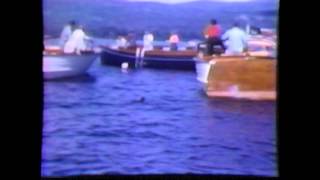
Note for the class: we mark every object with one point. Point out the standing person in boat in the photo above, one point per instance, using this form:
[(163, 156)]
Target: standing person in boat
[(77, 41), (121, 42), (131, 39), (148, 41), (235, 40), (212, 34), (174, 40), (66, 32)]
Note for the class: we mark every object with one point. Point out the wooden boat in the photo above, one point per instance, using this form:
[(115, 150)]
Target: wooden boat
[(116, 57), (240, 77), (157, 58), (57, 64), (257, 47)]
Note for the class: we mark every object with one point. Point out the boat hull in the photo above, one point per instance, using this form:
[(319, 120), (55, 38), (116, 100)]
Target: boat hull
[(63, 66), (169, 63), (247, 95), (114, 58), (156, 60), (238, 78), (202, 70)]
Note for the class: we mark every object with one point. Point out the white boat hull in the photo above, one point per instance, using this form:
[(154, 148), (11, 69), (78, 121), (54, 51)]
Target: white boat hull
[(202, 69), (62, 66)]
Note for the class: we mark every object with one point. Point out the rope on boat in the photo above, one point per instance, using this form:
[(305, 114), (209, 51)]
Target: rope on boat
[(142, 57), (137, 57)]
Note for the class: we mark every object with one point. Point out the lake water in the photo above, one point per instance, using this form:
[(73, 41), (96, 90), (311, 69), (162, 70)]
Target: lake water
[(97, 124)]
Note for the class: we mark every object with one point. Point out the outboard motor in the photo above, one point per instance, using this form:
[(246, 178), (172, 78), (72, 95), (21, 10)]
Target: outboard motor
[(202, 48)]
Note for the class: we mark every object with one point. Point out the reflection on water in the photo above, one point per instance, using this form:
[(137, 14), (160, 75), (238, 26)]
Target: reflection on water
[(152, 121)]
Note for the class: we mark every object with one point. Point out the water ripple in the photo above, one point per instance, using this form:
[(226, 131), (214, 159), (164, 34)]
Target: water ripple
[(102, 127)]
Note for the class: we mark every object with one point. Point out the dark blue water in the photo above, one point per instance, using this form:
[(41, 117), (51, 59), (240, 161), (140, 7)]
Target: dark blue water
[(96, 124)]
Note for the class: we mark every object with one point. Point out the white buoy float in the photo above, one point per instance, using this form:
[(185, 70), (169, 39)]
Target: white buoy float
[(124, 67)]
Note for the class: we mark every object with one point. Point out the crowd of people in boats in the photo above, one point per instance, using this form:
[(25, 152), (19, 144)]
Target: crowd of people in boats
[(233, 41)]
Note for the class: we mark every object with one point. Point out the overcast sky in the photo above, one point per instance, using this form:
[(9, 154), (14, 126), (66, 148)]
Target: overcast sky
[(182, 1)]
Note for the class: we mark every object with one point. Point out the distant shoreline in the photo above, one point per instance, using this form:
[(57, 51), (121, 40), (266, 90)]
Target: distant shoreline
[(108, 19)]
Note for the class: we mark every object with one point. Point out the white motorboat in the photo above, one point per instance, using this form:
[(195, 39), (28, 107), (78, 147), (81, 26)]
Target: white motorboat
[(57, 64)]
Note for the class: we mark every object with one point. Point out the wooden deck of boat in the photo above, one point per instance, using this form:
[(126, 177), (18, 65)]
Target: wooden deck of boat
[(234, 58), (171, 54), (157, 52)]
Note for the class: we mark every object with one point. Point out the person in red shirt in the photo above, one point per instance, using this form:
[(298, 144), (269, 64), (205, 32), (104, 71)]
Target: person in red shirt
[(212, 34)]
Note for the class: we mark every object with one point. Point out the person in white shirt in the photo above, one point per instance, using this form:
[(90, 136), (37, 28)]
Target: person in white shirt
[(121, 42), (66, 33), (148, 41), (236, 40), (77, 41)]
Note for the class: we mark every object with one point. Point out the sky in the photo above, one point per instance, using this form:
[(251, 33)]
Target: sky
[(183, 1)]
